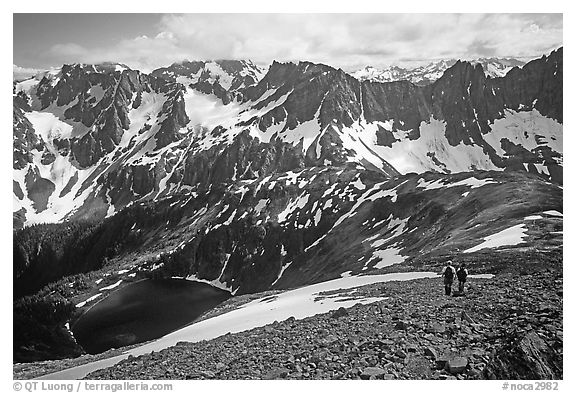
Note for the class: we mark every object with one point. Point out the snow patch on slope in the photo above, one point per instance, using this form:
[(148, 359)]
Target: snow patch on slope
[(471, 182), (407, 155), (507, 237), (528, 129), (207, 110), (387, 256), (297, 203), (48, 126), (82, 304)]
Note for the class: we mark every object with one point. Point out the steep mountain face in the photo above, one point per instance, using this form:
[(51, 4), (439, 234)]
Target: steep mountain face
[(297, 228), (85, 120), (223, 78), (424, 75), (91, 140), (309, 226)]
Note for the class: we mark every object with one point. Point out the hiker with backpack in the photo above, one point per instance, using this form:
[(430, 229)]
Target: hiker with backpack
[(448, 273), (461, 273)]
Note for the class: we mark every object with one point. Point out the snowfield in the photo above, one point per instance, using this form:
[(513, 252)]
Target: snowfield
[(507, 237), (207, 110), (529, 129), (111, 286), (82, 304), (298, 303)]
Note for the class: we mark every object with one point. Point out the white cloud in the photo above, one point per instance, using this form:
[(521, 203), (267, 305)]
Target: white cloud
[(341, 40), (20, 73), (69, 50)]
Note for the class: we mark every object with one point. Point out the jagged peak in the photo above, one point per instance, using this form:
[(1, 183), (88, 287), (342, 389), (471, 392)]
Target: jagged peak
[(463, 67), (96, 67), (220, 62), (302, 66)]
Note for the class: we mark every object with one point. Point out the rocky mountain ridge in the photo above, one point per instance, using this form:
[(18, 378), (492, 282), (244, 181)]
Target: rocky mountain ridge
[(303, 227), (88, 142), (426, 74), (223, 78)]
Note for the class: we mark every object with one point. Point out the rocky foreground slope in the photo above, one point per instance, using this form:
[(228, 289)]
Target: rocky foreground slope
[(507, 327)]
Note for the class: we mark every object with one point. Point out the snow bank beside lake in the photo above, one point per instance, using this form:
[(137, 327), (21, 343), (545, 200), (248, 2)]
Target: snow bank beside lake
[(298, 303)]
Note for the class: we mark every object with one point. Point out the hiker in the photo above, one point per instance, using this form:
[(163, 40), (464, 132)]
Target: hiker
[(461, 273), (448, 273)]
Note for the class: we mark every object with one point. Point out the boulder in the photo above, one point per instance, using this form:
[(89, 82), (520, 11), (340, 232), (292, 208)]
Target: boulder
[(401, 325), (418, 367), (340, 313), (431, 352), (372, 373), (277, 373), (441, 361), (466, 318), (411, 348), (435, 328), (456, 365), (525, 357)]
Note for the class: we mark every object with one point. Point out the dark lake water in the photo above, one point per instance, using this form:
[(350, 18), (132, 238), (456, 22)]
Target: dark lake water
[(144, 311)]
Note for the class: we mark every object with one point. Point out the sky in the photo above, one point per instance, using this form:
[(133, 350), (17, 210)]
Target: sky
[(348, 41)]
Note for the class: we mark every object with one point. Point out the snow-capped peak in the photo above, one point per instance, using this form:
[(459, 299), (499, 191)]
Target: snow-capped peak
[(422, 75), (228, 74)]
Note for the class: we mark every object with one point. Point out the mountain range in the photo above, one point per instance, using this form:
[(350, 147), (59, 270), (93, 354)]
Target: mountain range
[(426, 74), (89, 140), (251, 179)]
